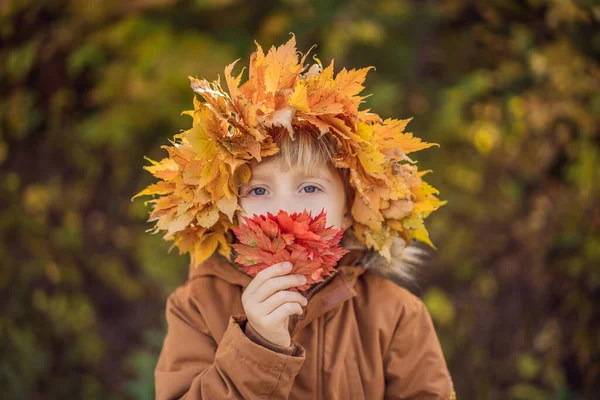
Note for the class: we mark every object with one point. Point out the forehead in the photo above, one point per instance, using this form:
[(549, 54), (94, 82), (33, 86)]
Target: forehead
[(272, 165)]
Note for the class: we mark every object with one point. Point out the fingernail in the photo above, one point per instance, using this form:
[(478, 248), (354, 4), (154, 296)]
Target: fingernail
[(302, 278), (287, 265)]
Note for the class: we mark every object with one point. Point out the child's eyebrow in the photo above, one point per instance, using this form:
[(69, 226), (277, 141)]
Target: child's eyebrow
[(296, 176), (318, 176), (314, 174)]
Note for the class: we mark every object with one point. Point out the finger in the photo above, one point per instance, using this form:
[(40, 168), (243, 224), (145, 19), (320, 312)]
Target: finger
[(283, 296), (275, 284), (281, 313), (268, 273)]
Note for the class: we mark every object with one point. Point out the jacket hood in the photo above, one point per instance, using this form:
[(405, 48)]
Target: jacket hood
[(405, 259)]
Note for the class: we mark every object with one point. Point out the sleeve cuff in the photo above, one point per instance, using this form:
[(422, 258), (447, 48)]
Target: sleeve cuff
[(258, 339), (295, 349)]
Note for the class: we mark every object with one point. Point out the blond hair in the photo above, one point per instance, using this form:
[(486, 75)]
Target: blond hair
[(309, 152)]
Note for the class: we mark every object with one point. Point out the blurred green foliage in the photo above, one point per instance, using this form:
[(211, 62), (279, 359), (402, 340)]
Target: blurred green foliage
[(510, 89)]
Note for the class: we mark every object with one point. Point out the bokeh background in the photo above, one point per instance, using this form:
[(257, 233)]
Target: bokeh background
[(510, 89)]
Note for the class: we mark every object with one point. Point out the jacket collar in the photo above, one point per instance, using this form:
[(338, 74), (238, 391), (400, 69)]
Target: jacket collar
[(339, 288)]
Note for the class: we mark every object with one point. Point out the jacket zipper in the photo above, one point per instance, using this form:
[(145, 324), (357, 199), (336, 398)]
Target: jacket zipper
[(308, 294), (321, 338), (312, 290), (321, 359)]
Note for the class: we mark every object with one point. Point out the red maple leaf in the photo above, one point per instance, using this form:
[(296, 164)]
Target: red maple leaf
[(312, 248)]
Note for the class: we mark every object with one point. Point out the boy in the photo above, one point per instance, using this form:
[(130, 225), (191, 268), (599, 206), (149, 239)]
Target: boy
[(356, 335)]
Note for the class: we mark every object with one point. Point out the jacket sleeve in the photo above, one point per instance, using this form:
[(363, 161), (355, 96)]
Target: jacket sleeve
[(192, 365), (414, 364)]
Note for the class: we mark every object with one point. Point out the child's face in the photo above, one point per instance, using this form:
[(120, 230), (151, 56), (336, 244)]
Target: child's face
[(271, 189)]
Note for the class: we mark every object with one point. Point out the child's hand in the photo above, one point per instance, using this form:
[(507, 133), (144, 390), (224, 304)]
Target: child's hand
[(268, 307)]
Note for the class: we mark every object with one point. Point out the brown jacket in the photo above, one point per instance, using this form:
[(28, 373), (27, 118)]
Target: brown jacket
[(361, 337)]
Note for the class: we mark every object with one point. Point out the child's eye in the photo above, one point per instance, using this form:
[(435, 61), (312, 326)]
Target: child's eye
[(312, 189), (259, 191)]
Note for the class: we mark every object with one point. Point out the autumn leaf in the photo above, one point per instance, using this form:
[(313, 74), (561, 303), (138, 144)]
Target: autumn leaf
[(304, 240)]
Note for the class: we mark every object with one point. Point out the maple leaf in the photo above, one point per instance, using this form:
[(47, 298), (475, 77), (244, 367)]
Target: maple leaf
[(304, 240)]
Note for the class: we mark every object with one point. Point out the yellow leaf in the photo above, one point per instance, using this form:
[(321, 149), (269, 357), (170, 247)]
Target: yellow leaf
[(233, 83), (157, 188), (180, 222), (399, 209), (209, 172), (201, 196), (396, 225), (373, 239), (184, 191), (417, 229), (282, 66), (323, 95), (426, 207), (224, 247), (201, 142), (364, 132), (242, 175), (230, 159), (350, 82), (425, 172), (364, 214), (299, 99), (204, 249), (166, 169), (208, 216), (423, 190), (221, 184), (393, 141), (281, 117), (191, 173), (372, 160)]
